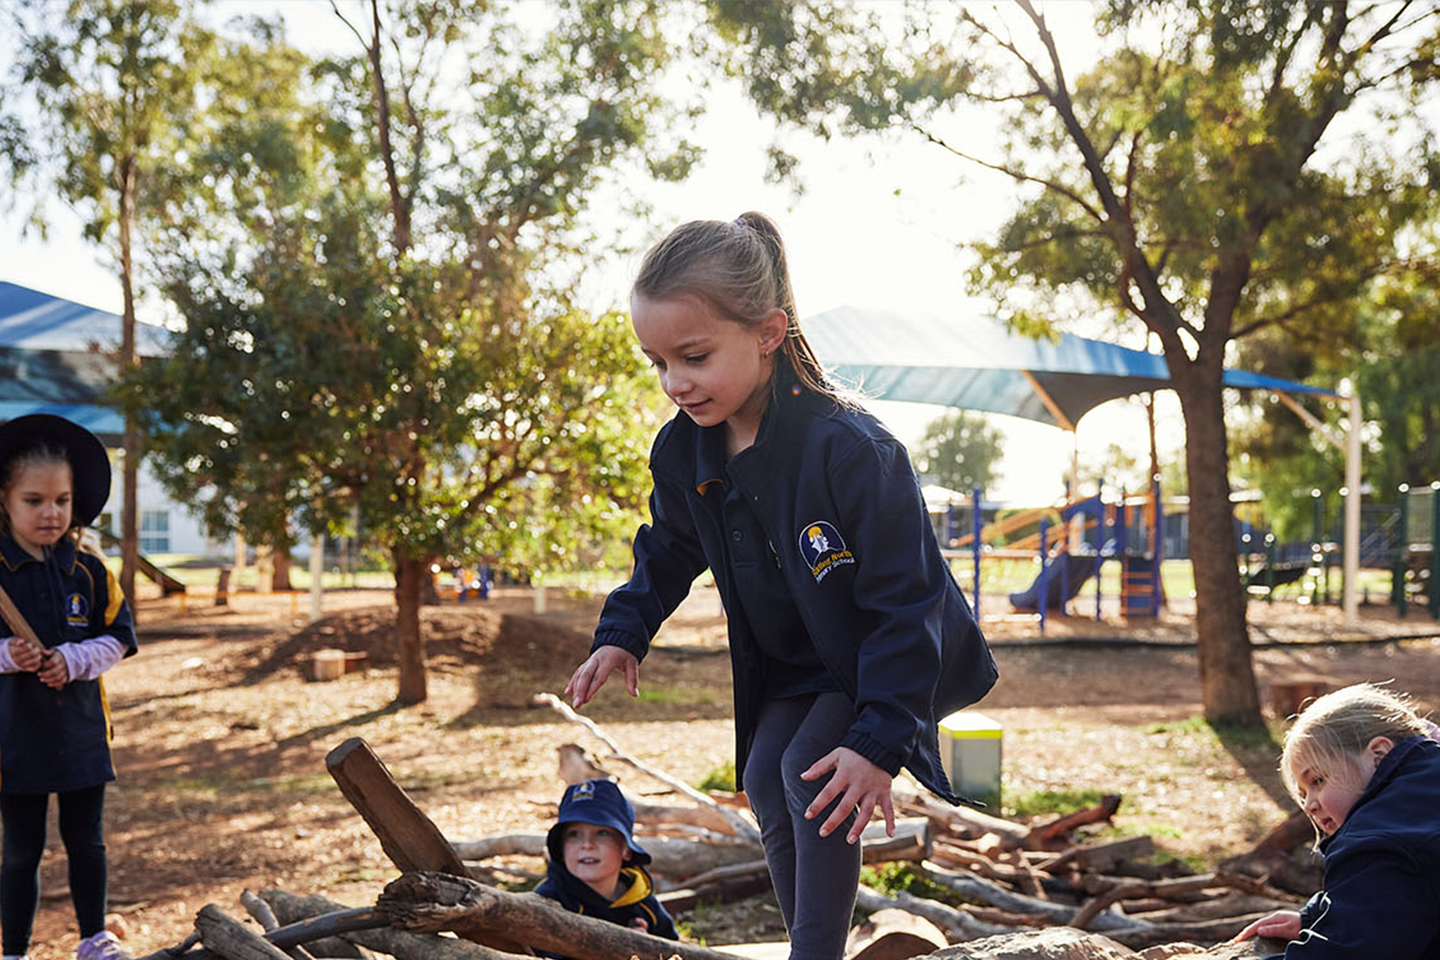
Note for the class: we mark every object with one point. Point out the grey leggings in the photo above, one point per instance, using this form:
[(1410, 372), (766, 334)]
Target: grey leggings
[(815, 877)]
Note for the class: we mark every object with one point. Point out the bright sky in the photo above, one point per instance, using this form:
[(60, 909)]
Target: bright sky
[(878, 224)]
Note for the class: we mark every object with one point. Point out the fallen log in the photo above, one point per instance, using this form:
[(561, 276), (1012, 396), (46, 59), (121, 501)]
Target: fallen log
[(893, 934), (431, 902), (231, 939), (1046, 836), (960, 820), (264, 916), (409, 838), (957, 924), (1101, 856), (976, 888), (292, 909), (723, 891)]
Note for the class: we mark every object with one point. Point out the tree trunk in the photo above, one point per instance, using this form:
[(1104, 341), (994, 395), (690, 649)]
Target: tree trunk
[(410, 575), (129, 510), (1227, 674), (280, 576)]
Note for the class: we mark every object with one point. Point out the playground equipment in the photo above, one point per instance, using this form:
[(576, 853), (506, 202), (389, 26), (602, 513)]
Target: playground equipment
[(167, 581), (1096, 531)]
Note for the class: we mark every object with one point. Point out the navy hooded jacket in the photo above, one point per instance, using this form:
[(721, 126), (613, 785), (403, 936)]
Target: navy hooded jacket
[(840, 505), (1381, 895)]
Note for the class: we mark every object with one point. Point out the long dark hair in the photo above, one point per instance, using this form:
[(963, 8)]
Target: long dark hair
[(738, 268)]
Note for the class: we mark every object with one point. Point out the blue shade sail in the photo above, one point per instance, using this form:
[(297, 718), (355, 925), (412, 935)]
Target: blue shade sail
[(977, 364)]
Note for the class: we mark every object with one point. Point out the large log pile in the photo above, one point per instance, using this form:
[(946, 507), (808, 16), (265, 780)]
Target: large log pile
[(1010, 891)]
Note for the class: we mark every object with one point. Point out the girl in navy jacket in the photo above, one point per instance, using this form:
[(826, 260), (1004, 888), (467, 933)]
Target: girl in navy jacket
[(848, 637), (1363, 767), (54, 718)]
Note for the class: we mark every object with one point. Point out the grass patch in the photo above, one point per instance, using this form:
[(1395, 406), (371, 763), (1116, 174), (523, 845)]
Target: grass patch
[(1232, 736), (720, 778), (1050, 801), (897, 877)]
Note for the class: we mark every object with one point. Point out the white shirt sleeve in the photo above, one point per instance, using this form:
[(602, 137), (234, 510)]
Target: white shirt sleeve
[(7, 663), (88, 659)]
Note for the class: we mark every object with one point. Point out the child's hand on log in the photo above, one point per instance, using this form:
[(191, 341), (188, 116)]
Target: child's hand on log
[(591, 675), (27, 654), (639, 924), (861, 787), (55, 671), (1282, 925)]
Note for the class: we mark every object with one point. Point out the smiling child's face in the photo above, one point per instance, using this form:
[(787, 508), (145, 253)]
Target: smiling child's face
[(595, 855)]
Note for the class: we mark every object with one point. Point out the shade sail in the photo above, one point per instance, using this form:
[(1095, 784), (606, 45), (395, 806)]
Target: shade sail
[(977, 364), (58, 356)]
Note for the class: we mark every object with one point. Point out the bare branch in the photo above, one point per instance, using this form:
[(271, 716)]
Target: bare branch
[(343, 19), (1019, 175)]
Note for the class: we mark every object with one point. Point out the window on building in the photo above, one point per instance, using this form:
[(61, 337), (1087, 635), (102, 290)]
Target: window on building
[(154, 531)]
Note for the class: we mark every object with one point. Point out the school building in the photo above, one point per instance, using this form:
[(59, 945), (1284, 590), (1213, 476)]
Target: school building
[(58, 356)]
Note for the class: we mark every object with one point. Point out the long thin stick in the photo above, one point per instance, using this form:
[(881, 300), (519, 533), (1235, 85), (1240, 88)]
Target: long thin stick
[(742, 826), (16, 620)]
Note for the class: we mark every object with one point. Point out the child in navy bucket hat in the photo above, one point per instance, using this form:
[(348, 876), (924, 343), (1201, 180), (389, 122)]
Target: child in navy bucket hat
[(596, 868)]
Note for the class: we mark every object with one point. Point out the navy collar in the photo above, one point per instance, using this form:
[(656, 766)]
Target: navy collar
[(1385, 771), (16, 556)]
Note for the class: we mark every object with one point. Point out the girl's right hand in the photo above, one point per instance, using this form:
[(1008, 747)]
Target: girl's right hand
[(1282, 925), (26, 654), (592, 674)]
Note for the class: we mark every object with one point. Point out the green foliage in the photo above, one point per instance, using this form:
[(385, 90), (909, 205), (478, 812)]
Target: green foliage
[(1051, 801), (720, 778), (959, 450), (406, 350), (1191, 179)]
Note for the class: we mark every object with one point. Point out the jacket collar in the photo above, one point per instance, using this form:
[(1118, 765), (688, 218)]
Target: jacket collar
[(16, 556), (790, 407)]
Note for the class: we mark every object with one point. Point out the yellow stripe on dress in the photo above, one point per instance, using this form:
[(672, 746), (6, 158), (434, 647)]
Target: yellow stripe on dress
[(113, 596)]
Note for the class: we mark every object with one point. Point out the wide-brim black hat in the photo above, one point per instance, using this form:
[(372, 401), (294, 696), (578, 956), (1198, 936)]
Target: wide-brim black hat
[(89, 463)]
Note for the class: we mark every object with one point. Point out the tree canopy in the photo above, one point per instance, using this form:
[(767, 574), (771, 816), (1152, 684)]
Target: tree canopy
[(959, 450), (1194, 182), (378, 287)]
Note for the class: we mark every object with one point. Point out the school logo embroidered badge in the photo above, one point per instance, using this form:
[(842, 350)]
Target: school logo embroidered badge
[(77, 610), (584, 790), (823, 549)]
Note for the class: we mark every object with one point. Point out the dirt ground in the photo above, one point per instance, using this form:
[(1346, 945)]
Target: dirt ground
[(220, 740)]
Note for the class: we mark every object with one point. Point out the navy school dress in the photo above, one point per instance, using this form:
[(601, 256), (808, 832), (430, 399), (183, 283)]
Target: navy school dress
[(55, 741)]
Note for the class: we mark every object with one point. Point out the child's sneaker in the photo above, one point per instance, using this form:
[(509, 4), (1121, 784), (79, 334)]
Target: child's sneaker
[(103, 946)]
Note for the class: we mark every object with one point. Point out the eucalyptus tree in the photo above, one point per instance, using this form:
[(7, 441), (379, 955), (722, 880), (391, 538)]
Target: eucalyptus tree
[(384, 316), (1223, 168), (960, 450)]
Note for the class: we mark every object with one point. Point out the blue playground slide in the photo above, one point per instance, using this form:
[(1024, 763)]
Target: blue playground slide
[(1078, 568)]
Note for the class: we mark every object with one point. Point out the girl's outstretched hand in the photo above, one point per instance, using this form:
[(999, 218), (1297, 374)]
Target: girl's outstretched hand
[(860, 785), (26, 654), (1282, 925), (591, 675)]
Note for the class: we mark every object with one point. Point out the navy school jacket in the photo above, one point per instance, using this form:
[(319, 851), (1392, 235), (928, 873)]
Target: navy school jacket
[(638, 901), (1381, 895), (58, 740), (842, 509)]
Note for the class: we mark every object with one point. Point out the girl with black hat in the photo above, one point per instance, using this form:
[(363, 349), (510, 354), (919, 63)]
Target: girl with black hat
[(54, 717)]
